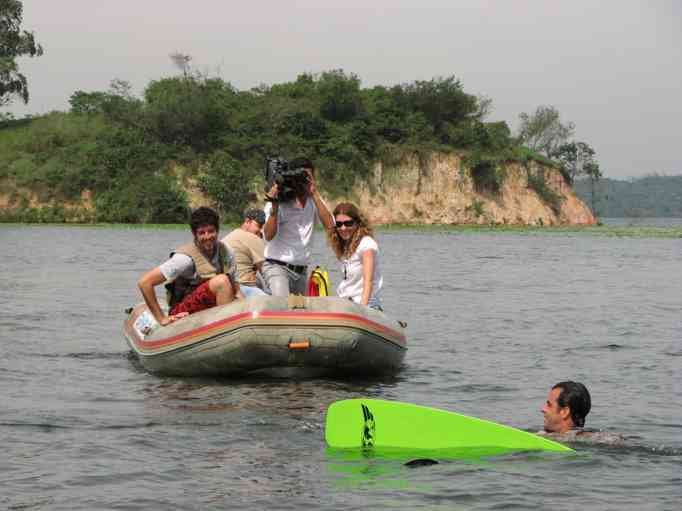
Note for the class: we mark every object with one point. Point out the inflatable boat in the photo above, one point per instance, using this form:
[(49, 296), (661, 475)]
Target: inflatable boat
[(271, 336)]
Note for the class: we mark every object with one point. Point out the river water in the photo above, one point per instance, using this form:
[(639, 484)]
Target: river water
[(494, 320)]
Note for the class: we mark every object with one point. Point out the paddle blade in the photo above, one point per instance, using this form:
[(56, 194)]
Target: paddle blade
[(377, 423)]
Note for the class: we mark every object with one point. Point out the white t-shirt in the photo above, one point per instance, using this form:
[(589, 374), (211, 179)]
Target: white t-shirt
[(295, 228), (182, 264), (351, 271)]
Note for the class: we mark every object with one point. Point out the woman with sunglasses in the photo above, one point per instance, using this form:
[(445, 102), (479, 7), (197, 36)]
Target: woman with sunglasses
[(352, 241)]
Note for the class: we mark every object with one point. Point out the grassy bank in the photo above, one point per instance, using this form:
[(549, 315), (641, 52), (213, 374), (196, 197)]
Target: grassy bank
[(591, 230), (631, 231)]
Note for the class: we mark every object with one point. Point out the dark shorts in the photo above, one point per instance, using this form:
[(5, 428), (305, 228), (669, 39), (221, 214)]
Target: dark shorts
[(199, 299)]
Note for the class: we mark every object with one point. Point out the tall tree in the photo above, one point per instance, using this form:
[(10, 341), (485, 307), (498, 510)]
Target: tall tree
[(341, 100), (591, 170), (14, 43), (577, 159), (442, 102), (543, 130)]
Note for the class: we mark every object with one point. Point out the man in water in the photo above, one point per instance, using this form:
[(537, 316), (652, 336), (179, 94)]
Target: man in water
[(247, 243), (202, 273), (568, 403)]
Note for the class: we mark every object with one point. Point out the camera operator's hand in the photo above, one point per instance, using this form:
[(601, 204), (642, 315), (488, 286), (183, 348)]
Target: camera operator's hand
[(312, 188), (272, 194), (325, 215)]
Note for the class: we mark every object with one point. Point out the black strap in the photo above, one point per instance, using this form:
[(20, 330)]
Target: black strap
[(296, 269)]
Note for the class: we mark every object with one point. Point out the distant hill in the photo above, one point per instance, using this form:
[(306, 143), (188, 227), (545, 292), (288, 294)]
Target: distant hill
[(651, 196)]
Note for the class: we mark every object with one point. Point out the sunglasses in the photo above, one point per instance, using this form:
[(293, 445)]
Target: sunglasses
[(347, 223)]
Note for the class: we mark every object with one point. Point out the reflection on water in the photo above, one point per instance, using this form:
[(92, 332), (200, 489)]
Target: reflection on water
[(391, 468), (297, 399)]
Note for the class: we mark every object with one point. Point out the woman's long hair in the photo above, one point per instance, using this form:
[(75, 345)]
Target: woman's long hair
[(345, 249)]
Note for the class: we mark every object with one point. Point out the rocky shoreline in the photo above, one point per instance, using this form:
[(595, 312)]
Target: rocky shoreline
[(438, 191), (442, 192)]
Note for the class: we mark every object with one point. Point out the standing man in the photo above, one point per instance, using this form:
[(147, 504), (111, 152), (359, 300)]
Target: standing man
[(289, 230), (566, 407), (202, 273), (247, 244)]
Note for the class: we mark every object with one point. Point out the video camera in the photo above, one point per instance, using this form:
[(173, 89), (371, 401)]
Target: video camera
[(288, 179)]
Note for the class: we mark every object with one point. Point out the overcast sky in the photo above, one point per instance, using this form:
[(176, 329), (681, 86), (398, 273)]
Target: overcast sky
[(613, 67)]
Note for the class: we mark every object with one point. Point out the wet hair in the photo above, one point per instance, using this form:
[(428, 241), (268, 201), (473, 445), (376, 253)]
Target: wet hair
[(576, 396), (342, 248), (203, 216)]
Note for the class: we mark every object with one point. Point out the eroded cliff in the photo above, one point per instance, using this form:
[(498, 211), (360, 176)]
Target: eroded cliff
[(437, 191), (441, 192)]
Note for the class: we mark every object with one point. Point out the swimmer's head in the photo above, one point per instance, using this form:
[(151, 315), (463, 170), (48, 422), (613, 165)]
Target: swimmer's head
[(568, 403)]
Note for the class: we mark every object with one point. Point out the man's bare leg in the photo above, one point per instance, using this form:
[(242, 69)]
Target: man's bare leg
[(221, 287)]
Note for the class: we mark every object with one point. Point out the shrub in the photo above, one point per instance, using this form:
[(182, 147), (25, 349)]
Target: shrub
[(193, 111), (537, 183), (147, 199), (228, 182), (340, 96), (488, 176), (477, 207)]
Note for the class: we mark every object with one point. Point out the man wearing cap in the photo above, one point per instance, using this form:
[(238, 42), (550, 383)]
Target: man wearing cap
[(248, 247)]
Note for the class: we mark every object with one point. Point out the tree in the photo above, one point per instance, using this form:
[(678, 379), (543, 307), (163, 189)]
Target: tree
[(340, 96), (88, 102), (576, 159), (443, 103), (543, 130), (194, 111), (118, 104), (14, 43), (591, 170), (228, 182)]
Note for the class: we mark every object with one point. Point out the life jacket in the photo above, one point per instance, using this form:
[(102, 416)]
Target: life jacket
[(203, 270)]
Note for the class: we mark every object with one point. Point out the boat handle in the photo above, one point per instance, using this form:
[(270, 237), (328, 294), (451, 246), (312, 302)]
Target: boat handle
[(299, 345)]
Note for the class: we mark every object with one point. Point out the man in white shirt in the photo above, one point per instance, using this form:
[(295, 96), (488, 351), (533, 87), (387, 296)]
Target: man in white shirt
[(289, 232)]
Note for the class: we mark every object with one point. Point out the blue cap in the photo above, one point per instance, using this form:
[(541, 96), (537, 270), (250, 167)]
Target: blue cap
[(255, 214)]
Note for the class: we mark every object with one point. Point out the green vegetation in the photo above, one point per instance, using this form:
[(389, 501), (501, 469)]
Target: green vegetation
[(610, 231), (543, 131), (477, 208), (650, 196), (536, 181), (486, 171), (139, 158), (14, 43)]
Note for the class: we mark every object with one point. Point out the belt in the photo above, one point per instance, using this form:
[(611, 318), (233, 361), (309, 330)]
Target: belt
[(296, 269)]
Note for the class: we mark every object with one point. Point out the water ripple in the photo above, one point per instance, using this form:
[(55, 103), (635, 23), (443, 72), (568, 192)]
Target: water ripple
[(504, 318)]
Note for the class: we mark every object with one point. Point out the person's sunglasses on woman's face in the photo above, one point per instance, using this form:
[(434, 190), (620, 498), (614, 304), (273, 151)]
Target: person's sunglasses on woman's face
[(344, 223)]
